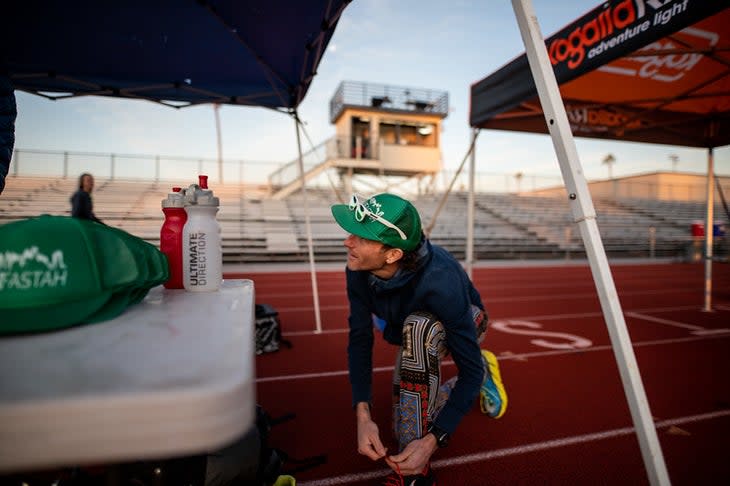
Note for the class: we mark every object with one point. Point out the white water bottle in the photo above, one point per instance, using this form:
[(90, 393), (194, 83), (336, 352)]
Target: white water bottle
[(202, 253)]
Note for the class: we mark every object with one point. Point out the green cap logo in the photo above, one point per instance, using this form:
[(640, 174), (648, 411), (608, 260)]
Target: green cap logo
[(31, 269), (386, 218)]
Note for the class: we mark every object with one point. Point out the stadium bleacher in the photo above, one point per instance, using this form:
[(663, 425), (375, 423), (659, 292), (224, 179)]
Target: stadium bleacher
[(255, 228)]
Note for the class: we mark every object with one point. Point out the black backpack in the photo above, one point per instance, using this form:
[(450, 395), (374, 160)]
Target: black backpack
[(268, 330)]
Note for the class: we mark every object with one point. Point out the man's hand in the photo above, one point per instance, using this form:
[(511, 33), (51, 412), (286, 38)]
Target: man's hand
[(368, 436), (415, 456)]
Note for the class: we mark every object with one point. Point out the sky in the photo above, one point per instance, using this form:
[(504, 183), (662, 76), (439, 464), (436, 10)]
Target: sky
[(431, 44)]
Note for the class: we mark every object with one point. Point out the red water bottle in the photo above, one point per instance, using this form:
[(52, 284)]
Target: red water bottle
[(171, 235)]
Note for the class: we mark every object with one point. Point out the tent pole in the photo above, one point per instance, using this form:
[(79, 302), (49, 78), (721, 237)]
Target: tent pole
[(584, 215), (709, 219), (470, 210), (216, 109), (310, 246)]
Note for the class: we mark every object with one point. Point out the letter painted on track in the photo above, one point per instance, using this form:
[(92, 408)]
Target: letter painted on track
[(512, 326)]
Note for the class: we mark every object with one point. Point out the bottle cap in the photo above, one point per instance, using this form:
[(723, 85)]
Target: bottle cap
[(175, 199), (206, 198), (197, 196)]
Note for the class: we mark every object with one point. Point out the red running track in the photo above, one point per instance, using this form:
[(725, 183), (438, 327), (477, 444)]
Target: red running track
[(568, 421)]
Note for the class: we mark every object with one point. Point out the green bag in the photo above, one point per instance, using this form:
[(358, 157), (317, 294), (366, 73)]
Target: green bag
[(58, 271)]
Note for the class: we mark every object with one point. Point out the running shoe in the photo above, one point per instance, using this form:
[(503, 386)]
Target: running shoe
[(427, 478), (492, 396), (285, 480)]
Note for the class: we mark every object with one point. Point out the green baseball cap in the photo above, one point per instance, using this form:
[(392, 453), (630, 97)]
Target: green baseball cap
[(58, 271), (385, 217)]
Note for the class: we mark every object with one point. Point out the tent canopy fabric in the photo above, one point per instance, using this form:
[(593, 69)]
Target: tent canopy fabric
[(177, 52), (630, 70)]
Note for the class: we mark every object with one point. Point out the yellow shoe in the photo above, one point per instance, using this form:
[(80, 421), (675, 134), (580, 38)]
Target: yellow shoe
[(492, 396), (285, 480)]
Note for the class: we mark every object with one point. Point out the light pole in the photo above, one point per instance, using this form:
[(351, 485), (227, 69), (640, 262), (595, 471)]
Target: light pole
[(216, 107), (674, 158), (609, 160)]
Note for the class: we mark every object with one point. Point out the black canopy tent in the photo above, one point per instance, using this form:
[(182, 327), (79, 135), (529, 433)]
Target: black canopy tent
[(177, 52), (262, 53), (630, 70), (623, 80)]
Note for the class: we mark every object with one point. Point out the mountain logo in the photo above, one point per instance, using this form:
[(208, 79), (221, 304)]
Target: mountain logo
[(32, 269)]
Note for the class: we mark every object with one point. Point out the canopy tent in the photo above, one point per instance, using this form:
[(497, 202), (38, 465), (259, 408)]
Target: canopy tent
[(634, 70), (179, 53), (626, 79), (628, 71)]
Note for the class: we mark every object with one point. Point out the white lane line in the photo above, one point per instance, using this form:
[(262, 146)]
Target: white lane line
[(550, 317), (665, 321), (523, 449), (341, 330), (496, 300), (502, 357), (326, 374), (586, 290), (696, 330), (710, 332)]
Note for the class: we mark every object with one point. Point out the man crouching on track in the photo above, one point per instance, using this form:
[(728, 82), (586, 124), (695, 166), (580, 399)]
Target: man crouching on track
[(423, 301)]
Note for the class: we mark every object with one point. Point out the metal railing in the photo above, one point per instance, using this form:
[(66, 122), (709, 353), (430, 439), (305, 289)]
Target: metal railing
[(65, 164), (387, 97), (310, 159)]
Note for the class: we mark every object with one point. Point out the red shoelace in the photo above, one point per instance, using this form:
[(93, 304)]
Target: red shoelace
[(394, 478)]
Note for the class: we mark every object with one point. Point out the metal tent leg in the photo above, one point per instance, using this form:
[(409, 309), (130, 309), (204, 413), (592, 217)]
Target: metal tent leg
[(709, 228), (310, 245), (584, 215)]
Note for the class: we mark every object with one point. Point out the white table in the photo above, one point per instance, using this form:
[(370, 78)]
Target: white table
[(173, 375)]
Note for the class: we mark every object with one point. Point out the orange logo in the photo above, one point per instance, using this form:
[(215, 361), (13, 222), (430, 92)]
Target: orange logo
[(573, 48)]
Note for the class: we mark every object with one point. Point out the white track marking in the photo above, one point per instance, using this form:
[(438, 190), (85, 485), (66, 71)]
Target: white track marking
[(664, 321), (550, 317), (697, 330), (586, 289), (522, 449), (710, 332), (509, 356)]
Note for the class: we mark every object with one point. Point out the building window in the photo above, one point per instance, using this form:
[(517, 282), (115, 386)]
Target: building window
[(408, 133)]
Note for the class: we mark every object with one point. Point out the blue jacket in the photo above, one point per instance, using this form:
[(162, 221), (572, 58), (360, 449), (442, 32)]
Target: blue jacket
[(440, 286)]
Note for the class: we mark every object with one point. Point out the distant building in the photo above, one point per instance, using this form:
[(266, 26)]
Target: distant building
[(380, 130), (660, 186)]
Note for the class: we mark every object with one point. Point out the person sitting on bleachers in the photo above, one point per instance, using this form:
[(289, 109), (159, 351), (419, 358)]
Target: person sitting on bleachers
[(81, 204)]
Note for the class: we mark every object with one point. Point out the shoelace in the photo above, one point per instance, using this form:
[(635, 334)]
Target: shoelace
[(394, 478)]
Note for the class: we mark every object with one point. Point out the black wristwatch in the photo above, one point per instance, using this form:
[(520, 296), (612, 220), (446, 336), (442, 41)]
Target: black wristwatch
[(442, 437)]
